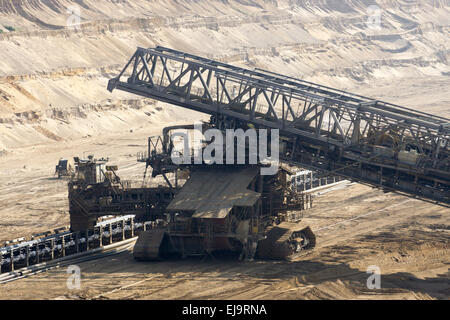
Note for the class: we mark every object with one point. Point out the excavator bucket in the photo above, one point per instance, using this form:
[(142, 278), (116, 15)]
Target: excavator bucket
[(286, 241), (149, 245)]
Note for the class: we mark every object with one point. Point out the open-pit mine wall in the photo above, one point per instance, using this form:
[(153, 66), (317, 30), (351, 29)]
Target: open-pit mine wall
[(53, 74)]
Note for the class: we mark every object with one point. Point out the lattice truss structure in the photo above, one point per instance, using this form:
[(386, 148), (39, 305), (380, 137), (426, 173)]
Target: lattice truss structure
[(367, 140)]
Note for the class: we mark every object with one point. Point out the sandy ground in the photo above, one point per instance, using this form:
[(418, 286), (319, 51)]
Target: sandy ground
[(54, 103)]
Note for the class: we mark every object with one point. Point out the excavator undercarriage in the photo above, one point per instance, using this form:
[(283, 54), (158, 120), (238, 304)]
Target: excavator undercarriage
[(234, 210)]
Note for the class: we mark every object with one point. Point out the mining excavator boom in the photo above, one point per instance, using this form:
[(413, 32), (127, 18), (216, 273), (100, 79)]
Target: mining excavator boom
[(366, 140)]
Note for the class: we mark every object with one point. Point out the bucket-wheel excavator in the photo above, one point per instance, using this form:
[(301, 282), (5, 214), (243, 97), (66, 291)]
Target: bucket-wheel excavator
[(236, 209)]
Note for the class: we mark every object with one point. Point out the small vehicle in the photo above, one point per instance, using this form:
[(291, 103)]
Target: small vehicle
[(65, 168)]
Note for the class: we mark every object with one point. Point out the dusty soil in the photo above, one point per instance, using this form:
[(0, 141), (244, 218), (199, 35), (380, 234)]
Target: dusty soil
[(54, 103)]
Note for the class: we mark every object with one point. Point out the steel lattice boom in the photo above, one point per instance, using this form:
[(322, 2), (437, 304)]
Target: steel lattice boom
[(369, 141)]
